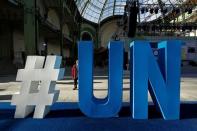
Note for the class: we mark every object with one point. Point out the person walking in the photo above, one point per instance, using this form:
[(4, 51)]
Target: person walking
[(75, 74)]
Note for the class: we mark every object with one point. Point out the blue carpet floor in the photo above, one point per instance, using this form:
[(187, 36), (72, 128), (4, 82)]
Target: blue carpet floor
[(67, 117)]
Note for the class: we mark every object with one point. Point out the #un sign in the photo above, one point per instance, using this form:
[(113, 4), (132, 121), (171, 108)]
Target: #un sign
[(160, 77)]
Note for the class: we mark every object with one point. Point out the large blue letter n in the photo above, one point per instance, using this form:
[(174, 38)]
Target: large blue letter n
[(89, 105), (161, 78)]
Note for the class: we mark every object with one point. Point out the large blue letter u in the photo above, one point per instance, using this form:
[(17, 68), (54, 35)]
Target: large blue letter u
[(162, 79), (88, 104)]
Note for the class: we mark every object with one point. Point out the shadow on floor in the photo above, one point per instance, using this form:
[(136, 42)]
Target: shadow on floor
[(187, 111), (67, 116), (5, 97), (59, 110), (7, 78), (124, 89), (72, 83)]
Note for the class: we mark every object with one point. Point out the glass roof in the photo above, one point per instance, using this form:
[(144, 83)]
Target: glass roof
[(98, 10)]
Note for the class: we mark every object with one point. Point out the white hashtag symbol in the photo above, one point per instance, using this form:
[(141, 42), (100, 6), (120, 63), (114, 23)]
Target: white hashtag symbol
[(36, 95)]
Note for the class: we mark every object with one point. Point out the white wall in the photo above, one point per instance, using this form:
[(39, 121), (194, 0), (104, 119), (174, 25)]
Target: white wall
[(107, 31)]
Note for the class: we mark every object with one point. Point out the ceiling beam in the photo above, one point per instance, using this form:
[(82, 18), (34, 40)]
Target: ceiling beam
[(114, 7), (104, 5), (85, 7)]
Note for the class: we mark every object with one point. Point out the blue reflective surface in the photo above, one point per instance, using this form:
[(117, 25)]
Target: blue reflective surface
[(162, 80), (88, 104)]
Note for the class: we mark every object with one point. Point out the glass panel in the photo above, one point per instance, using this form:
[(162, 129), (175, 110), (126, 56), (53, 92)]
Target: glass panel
[(98, 10)]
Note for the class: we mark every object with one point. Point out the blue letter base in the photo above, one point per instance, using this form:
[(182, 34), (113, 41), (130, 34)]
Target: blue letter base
[(68, 117)]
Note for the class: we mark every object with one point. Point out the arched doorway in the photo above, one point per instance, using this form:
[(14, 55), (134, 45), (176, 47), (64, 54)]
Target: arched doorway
[(86, 36)]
